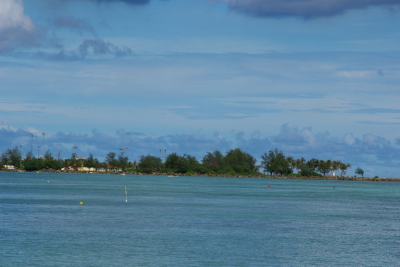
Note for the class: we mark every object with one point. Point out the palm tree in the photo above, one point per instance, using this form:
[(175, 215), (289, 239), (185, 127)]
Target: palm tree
[(313, 164), (292, 163), (324, 167), (335, 166), (343, 168), (360, 171)]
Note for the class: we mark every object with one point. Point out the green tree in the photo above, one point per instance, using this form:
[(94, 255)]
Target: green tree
[(34, 164), (92, 162), (292, 163), (73, 161), (123, 161), (176, 163), (343, 168), (336, 166), (111, 159), (134, 165), (240, 162), (309, 168), (275, 162), (49, 162), (313, 164), (149, 164), (46, 163), (53, 164), (193, 164), (14, 156), (359, 171), (300, 163), (213, 161), (48, 156), (324, 167), (4, 159), (29, 156)]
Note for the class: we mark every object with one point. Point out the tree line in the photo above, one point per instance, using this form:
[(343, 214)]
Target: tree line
[(275, 162), (234, 162)]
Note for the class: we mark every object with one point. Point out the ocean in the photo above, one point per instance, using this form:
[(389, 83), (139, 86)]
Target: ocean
[(195, 221)]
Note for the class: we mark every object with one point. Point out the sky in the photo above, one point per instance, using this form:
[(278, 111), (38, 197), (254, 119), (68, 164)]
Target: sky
[(315, 79)]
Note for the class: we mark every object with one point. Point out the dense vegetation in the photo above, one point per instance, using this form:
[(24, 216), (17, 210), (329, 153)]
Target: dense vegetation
[(234, 162), (275, 162)]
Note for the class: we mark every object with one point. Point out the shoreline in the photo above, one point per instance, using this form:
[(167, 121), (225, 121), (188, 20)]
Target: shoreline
[(262, 176)]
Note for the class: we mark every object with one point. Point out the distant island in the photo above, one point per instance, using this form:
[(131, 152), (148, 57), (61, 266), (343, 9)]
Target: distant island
[(234, 163)]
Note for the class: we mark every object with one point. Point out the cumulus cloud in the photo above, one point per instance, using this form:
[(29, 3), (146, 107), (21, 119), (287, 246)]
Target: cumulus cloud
[(12, 16), (303, 8), (255, 144), (16, 28)]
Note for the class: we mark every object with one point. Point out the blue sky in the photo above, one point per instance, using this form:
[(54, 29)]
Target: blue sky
[(315, 79)]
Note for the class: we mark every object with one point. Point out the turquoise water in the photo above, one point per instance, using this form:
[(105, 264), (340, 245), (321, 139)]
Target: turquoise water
[(196, 221)]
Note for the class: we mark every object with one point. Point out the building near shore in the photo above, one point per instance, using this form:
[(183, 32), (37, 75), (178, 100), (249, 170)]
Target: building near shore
[(9, 167)]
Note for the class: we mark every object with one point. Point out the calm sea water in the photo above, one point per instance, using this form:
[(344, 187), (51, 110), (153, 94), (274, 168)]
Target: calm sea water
[(196, 221)]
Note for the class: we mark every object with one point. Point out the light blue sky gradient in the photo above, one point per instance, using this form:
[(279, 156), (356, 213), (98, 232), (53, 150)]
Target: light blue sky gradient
[(314, 80)]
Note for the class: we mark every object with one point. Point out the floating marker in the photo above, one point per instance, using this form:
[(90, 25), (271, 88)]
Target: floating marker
[(269, 185), (81, 203)]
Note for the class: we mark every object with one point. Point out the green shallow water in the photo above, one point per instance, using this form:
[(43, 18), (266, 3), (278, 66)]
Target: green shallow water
[(196, 221)]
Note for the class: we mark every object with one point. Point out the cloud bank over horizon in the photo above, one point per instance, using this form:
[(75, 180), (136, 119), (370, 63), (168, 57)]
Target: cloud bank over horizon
[(375, 154)]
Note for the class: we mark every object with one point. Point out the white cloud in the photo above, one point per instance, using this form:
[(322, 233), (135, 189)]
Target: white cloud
[(12, 16), (16, 28), (6, 127)]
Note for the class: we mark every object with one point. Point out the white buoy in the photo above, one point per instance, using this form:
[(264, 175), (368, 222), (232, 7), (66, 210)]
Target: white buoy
[(126, 195)]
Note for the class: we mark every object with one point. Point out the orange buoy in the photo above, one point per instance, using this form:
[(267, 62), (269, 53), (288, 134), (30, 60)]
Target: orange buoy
[(269, 185)]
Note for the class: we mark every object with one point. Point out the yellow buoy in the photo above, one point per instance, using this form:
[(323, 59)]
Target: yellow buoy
[(81, 203)]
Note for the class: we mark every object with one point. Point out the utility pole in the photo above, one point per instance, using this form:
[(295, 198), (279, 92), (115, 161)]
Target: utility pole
[(32, 145), (43, 145)]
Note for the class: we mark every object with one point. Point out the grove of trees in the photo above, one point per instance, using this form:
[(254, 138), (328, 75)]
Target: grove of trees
[(233, 162), (275, 162)]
